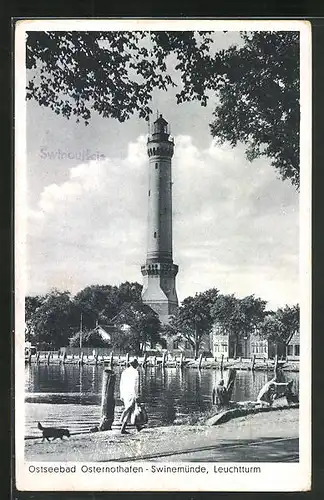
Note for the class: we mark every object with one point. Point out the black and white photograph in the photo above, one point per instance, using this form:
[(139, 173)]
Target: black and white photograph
[(162, 255)]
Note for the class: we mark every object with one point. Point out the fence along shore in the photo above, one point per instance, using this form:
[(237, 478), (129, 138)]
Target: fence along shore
[(164, 359)]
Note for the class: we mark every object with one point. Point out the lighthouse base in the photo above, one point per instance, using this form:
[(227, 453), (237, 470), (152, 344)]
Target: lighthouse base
[(159, 289)]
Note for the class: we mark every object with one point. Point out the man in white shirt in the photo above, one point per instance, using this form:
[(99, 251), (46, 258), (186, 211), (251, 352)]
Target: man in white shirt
[(129, 381)]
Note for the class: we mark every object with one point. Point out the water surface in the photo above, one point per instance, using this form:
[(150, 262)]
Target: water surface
[(70, 396)]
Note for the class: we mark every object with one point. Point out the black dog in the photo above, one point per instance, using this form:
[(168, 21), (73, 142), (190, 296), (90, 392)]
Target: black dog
[(53, 432)]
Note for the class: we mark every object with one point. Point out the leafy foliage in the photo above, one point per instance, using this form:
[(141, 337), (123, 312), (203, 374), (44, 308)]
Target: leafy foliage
[(141, 324), (91, 338), (255, 87), (113, 73), (52, 318), (281, 325), (193, 320), (238, 316), (259, 99), (102, 302), (55, 317)]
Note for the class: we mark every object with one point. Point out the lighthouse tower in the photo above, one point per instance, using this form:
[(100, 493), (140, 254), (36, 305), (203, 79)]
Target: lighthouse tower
[(159, 272)]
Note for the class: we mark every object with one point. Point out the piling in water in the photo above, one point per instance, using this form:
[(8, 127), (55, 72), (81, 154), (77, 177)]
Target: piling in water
[(222, 363), (107, 400), (230, 382), (181, 360), (200, 361)]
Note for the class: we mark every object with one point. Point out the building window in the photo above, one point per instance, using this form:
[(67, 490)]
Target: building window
[(187, 344), (154, 234), (224, 347), (175, 344), (290, 350), (156, 166), (297, 350)]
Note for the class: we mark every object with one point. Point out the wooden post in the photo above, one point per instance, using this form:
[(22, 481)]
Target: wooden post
[(127, 359), (64, 357), (107, 400), (81, 358), (48, 358), (58, 354), (96, 358), (181, 360), (222, 363), (275, 370), (37, 357), (200, 361), (29, 358), (144, 360), (164, 359), (230, 382), (155, 361), (111, 360), (253, 362)]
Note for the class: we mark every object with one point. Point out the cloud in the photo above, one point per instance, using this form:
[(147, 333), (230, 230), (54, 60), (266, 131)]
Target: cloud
[(235, 224)]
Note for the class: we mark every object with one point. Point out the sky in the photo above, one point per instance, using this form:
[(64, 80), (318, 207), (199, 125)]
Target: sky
[(235, 223)]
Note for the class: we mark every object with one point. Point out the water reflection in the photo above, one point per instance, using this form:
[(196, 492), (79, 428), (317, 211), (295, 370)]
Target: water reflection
[(70, 393)]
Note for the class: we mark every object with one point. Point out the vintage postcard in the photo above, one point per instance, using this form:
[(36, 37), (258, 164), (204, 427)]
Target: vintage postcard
[(162, 255)]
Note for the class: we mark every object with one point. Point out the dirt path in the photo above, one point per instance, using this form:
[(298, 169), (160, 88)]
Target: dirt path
[(111, 445)]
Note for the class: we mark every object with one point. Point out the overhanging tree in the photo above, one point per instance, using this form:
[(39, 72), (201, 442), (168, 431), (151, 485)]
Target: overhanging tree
[(259, 99), (254, 88)]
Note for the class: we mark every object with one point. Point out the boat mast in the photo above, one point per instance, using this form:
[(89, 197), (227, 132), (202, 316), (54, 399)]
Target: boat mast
[(81, 331)]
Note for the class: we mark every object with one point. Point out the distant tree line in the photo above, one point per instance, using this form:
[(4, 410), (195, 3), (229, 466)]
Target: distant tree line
[(54, 318)]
